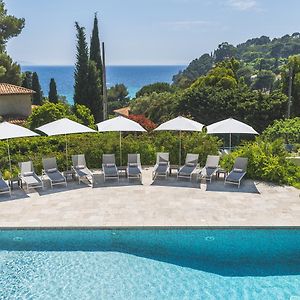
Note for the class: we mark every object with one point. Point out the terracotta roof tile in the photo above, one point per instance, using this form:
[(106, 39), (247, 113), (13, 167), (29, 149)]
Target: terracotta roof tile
[(10, 89)]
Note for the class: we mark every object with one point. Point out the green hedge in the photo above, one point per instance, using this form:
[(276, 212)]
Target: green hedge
[(94, 145), (267, 162)]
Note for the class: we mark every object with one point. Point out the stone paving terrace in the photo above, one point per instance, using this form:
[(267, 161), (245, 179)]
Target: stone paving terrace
[(162, 203)]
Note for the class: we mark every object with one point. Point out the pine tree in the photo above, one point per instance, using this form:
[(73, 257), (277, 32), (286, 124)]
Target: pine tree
[(53, 96), (38, 95), (81, 68), (94, 91)]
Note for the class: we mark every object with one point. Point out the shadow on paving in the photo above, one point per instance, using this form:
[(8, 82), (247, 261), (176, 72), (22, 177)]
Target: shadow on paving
[(174, 182), (247, 186), (99, 182), (16, 194)]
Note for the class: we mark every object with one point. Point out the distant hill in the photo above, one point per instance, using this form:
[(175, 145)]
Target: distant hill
[(258, 54)]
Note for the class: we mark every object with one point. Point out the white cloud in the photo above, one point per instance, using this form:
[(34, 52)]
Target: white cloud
[(243, 4)]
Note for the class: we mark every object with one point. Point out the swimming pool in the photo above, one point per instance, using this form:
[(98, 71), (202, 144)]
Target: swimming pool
[(150, 264)]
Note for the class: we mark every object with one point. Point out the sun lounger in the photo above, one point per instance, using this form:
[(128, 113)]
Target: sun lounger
[(162, 166), (191, 162), (80, 169), (109, 167), (238, 172), (52, 172), (134, 167), (28, 176), (211, 167), (4, 187)]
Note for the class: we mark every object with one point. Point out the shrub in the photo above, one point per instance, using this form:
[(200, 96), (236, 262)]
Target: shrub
[(267, 161)]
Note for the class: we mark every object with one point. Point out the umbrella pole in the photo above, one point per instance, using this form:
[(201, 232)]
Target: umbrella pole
[(179, 149), (66, 151), (230, 141), (9, 159), (120, 148)]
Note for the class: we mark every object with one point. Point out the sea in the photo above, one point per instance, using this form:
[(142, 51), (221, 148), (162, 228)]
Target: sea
[(133, 77)]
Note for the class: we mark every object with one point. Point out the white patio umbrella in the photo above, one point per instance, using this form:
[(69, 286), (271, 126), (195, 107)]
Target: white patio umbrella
[(11, 131), (64, 127), (180, 124), (120, 124), (230, 126)]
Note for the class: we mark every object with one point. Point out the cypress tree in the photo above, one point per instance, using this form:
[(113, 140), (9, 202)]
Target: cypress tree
[(27, 80), (95, 49), (38, 95), (53, 96), (94, 91), (81, 68)]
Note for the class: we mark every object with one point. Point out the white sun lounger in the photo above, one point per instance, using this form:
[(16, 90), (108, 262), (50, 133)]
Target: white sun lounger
[(238, 172), (109, 167), (80, 168), (52, 172), (162, 166), (28, 176), (134, 167), (190, 166), (211, 167)]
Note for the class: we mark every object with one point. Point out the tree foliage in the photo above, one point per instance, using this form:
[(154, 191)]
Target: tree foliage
[(10, 72), (158, 87), (38, 95), (52, 96), (117, 97), (81, 68), (10, 26)]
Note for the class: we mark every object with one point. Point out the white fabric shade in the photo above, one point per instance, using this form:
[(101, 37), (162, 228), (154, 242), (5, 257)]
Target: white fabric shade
[(64, 126), (180, 124), (120, 124), (11, 131), (230, 126)]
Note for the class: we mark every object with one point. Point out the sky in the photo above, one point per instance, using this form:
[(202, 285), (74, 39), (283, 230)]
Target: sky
[(145, 32)]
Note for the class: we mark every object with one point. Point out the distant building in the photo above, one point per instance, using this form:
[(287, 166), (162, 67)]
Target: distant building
[(15, 101)]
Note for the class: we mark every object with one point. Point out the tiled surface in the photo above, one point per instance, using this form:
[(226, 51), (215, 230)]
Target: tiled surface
[(165, 203)]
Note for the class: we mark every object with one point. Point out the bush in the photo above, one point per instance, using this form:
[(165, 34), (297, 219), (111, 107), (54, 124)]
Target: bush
[(267, 161), (288, 129), (93, 145)]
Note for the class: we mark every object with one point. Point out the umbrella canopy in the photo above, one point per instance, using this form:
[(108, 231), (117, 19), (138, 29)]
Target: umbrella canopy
[(180, 124), (11, 131), (120, 124), (63, 127), (230, 126)]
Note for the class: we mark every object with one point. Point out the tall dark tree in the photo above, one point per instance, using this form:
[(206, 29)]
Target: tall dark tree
[(81, 68), (27, 80), (53, 96), (95, 49), (94, 91), (38, 95)]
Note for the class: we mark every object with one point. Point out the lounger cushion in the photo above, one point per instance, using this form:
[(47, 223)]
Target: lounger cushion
[(162, 169), (190, 164), (83, 172), (163, 163), (110, 165), (52, 170), (80, 167), (56, 177), (208, 171), (32, 180), (187, 170), (235, 176), (134, 171), (28, 174), (132, 164), (238, 170), (111, 171)]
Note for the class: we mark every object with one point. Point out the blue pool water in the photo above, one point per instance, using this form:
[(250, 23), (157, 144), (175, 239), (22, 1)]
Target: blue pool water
[(150, 264)]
